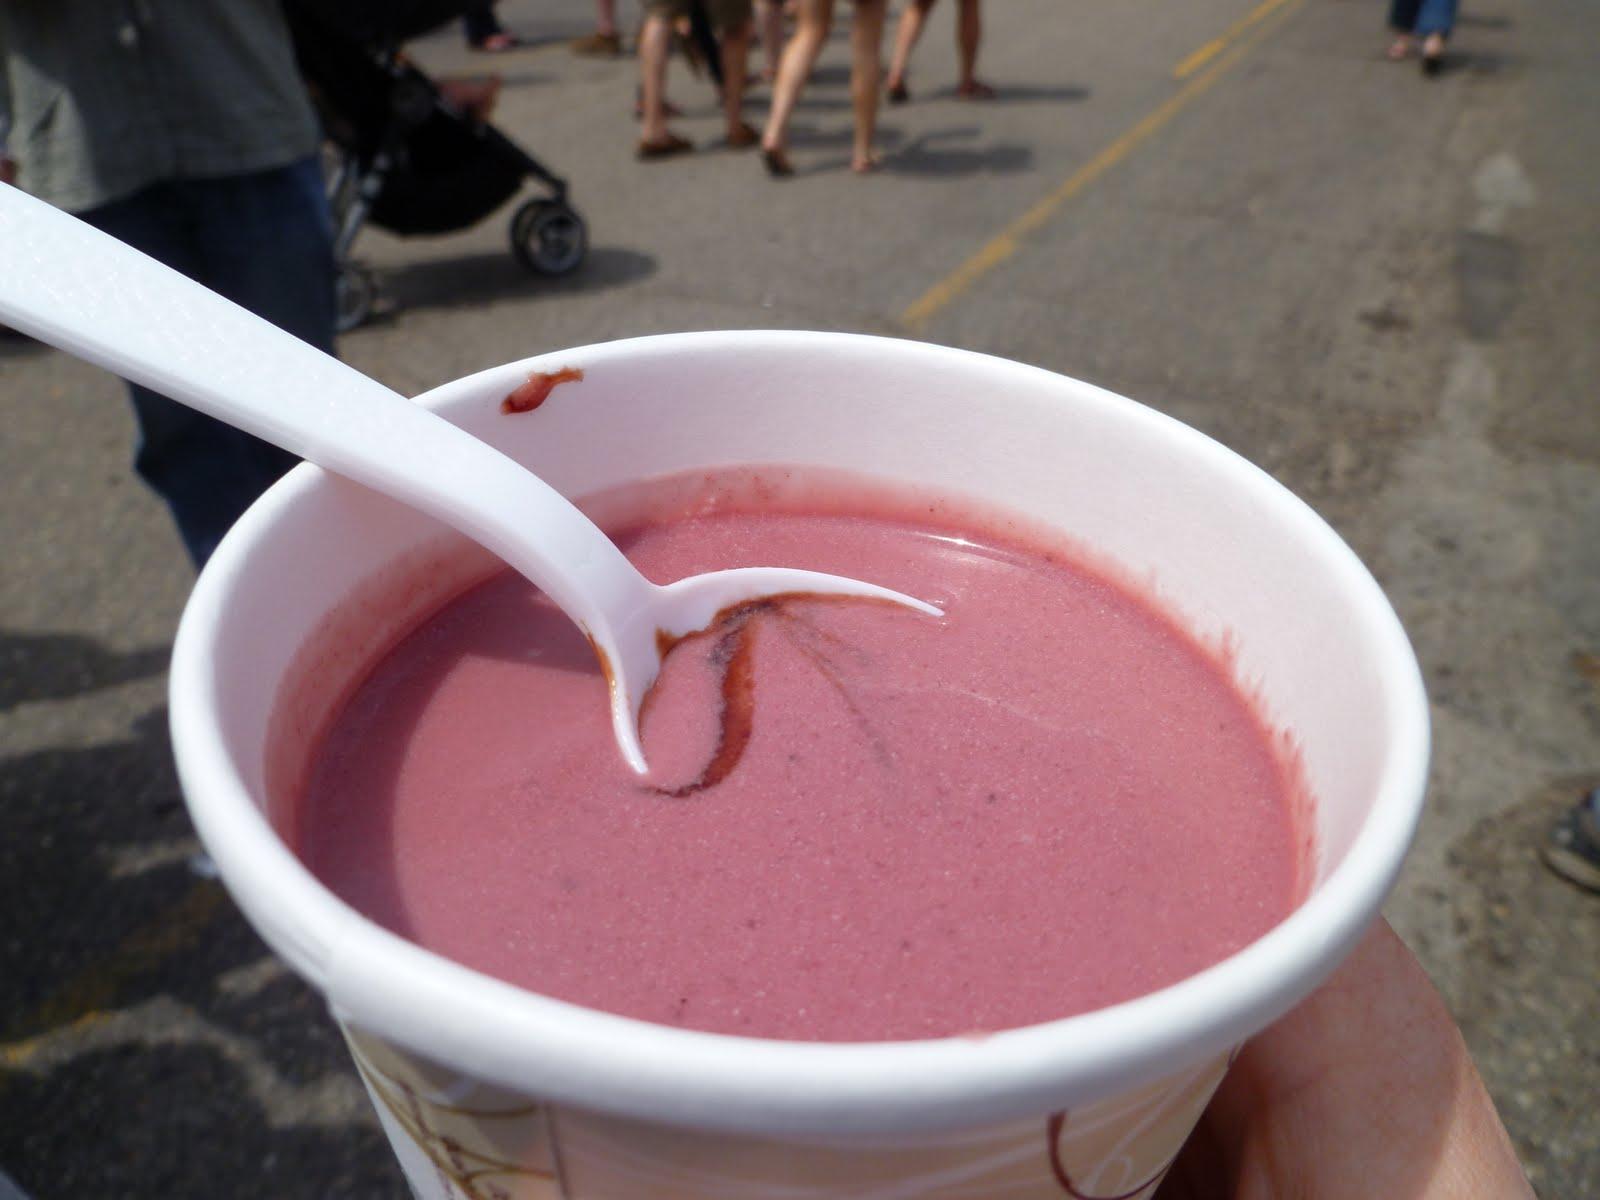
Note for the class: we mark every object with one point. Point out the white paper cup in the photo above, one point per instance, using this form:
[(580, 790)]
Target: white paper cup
[(490, 1091)]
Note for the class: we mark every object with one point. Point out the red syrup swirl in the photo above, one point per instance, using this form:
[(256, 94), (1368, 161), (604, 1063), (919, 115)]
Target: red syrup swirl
[(733, 657)]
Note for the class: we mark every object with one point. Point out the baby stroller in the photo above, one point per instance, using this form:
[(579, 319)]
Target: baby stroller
[(406, 160)]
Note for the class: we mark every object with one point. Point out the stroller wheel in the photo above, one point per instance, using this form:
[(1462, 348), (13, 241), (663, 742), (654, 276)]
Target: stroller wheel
[(548, 237), (355, 292)]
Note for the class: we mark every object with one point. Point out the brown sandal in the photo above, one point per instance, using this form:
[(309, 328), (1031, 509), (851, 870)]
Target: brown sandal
[(665, 148), (777, 163)]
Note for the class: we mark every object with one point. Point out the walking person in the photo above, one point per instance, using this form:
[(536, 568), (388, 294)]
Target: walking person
[(732, 21), (184, 131), (1429, 22), (969, 35), (813, 23)]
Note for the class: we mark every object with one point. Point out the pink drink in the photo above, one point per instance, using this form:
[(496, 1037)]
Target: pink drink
[(861, 823)]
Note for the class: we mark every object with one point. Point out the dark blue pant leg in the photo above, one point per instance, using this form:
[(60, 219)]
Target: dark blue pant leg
[(264, 241), (1436, 16), (1403, 15)]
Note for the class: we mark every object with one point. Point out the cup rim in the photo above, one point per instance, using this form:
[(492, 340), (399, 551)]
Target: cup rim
[(505, 1035)]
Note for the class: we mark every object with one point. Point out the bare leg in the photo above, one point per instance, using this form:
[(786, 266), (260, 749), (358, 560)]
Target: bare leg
[(655, 40), (866, 65), (605, 17), (735, 61), (906, 34), (969, 34), (813, 21), (771, 18)]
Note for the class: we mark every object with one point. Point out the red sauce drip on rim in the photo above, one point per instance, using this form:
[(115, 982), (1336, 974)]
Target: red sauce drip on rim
[(537, 389)]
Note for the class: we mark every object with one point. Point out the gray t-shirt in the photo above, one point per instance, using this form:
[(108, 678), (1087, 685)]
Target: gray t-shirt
[(105, 97)]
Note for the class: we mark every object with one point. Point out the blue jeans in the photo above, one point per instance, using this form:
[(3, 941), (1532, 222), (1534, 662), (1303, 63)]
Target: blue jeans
[(265, 241), (1422, 17)]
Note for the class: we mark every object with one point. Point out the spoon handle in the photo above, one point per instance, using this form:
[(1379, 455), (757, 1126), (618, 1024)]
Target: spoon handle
[(78, 289)]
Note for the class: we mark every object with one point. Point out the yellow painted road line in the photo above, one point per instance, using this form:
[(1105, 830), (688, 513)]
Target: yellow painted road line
[(1217, 44), (1009, 240), (80, 1003)]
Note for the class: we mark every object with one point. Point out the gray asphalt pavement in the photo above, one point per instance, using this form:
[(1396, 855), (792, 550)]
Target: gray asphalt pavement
[(1383, 289)]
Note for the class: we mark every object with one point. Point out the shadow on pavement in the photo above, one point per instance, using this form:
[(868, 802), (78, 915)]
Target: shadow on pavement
[(151, 1045), (475, 279), (137, 1121), (66, 815), (1010, 93), (1005, 93), (55, 666), (1463, 61), (932, 154)]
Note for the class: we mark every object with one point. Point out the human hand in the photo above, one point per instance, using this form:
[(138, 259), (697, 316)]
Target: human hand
[(1366, 1089)]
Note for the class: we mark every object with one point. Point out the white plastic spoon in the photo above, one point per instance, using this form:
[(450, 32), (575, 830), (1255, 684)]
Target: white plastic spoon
[(69, 285)]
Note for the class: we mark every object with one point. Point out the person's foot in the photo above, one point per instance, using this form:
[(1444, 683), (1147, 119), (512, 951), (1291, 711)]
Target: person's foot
[(1572, 850), (1401, 48), (975, 89), (598, 45), (897, 92), (1432, 53), (496, 43), (664, 147), (474, 98), (864, 164), (742, 136), (776, 162)]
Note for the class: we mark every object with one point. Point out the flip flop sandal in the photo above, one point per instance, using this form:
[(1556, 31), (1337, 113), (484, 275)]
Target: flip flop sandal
[(666, 148), (777, 163)]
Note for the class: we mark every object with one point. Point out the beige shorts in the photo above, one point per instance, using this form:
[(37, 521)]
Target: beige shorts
[(724, 14)]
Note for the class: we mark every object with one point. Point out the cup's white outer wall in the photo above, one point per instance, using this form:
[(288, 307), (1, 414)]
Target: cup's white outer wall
[(1234, 553)]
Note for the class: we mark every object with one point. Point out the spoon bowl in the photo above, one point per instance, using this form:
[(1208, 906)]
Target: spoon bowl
[(69, 285)]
